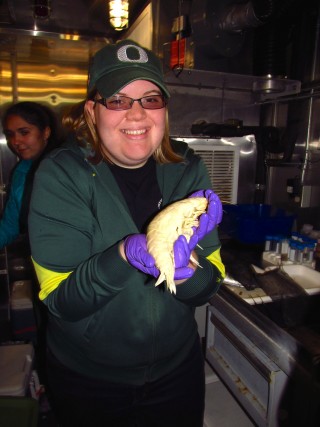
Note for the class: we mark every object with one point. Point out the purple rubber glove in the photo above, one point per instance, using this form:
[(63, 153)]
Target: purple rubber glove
[(135, 248), (209, 220), (182, 253)]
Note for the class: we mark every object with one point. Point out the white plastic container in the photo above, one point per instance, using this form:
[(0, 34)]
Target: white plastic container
[(21, 295), (16, 363)]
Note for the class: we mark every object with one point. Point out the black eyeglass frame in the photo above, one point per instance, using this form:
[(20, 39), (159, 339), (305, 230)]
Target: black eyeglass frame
[(103, 101)]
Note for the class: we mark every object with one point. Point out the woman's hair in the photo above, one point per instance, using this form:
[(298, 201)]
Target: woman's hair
[(37, 115), (79, 121), (42, 117)]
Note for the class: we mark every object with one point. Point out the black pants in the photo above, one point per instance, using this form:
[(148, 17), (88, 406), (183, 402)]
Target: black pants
[(176, 400)]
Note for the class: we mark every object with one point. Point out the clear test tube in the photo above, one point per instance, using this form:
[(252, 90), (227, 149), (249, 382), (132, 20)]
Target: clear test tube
[(284, 249), (299, 252), (292, 250), (277, 245), (268, 243), (308, 255)]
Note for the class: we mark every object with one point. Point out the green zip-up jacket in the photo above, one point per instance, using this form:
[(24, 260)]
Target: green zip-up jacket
[(107, 319)]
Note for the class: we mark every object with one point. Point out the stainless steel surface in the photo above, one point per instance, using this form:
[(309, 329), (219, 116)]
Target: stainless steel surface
[(276, 343), (231, 164), (254, 379), (229, 280), (249, 89), (274, 375), (49, 64)]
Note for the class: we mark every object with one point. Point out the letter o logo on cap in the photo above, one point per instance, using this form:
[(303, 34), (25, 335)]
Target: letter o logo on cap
[(123, 57)]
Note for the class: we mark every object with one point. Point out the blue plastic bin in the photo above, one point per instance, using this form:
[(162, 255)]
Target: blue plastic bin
[(251, 223)]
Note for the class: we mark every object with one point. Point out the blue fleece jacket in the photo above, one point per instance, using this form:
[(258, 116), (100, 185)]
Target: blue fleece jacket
[(9, 224)]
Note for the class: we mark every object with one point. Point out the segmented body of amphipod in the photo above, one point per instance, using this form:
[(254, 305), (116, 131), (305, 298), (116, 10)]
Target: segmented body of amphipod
[(173, 221)]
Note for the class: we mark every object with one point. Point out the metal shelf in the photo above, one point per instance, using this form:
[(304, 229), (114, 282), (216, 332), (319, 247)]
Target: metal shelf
[(253, 89)]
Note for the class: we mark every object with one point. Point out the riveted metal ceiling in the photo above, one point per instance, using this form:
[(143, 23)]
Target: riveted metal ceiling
[(47, 59), (82, 17)]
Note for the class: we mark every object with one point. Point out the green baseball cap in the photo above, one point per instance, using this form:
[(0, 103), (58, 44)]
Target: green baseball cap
[(116, 65)]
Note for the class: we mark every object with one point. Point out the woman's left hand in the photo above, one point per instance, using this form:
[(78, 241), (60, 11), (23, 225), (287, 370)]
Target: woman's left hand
[(208, 220), (182, 253)]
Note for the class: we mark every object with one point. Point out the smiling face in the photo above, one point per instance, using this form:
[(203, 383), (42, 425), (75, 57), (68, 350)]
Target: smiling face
[(130, 137), (25, 139)]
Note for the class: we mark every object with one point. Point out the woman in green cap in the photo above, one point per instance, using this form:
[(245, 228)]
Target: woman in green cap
[(122, 352)]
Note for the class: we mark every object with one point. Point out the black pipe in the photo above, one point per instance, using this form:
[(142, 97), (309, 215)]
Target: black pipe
[(241, 16), (271, 40)]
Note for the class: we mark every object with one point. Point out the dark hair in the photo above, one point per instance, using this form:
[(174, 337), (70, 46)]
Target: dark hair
[(37, 115), (42, 117)]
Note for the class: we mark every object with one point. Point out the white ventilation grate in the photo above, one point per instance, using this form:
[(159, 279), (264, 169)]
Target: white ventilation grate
[(223, 168)]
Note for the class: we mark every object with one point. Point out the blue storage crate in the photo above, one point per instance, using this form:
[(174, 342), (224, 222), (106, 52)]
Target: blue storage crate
[(251, 223)]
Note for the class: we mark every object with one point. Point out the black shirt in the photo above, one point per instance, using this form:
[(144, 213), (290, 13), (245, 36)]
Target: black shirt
[(141, 191)]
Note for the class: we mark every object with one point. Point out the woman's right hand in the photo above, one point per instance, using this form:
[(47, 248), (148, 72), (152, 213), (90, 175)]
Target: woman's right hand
[(134, 249), (136, 253)]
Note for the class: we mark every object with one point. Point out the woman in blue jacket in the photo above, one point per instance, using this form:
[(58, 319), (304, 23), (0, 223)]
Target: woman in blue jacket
[(31, 131), (122, 352)]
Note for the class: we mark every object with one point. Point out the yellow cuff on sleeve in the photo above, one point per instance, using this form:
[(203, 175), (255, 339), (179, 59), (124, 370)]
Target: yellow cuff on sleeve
[(48, 280), (215, 259)]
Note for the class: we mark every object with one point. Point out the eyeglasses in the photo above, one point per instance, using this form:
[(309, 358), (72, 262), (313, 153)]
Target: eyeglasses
[(119, 102)]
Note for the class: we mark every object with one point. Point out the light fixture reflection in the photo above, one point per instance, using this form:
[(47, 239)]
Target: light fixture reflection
[(119, 14)]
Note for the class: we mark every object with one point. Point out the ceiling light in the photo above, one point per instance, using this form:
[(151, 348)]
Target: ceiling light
[(119, 14)]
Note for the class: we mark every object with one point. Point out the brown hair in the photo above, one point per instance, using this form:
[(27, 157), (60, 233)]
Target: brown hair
[(79, 121)]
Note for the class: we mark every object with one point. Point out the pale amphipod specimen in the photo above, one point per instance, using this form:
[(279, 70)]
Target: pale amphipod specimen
[(173, 221)]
